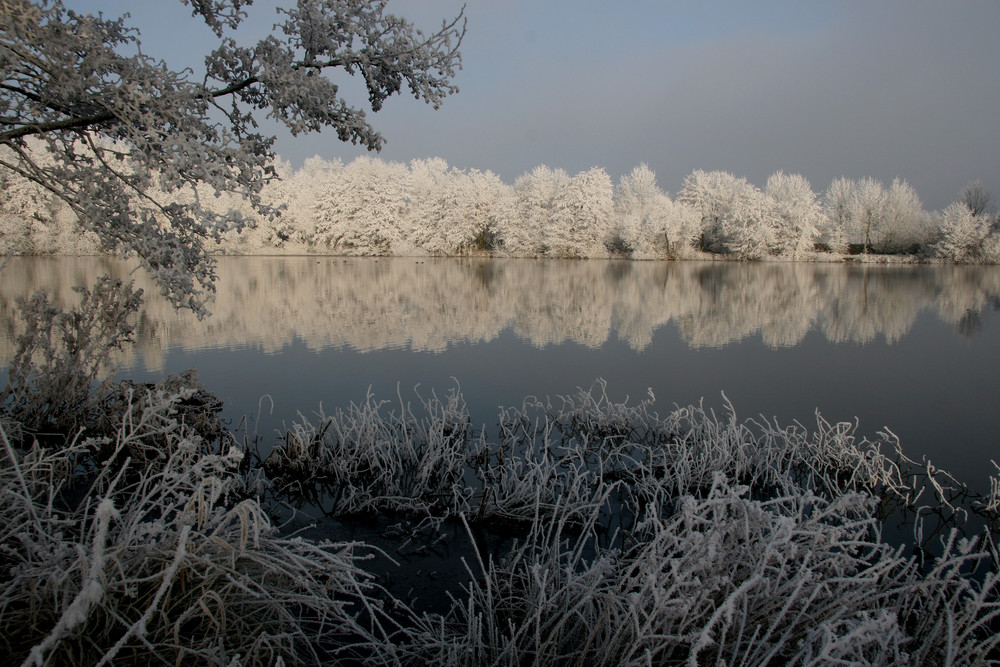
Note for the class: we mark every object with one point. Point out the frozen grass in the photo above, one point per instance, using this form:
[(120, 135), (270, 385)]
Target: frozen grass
[(564, 454), (692, 538), (369, 458), (724, 580), (629, 538), (168, 561)]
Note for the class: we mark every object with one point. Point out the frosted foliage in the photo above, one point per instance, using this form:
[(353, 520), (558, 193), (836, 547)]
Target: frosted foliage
[(590, 198), (538, 209), (450, 211), (965, 237), (563, 216), (33, 221), (879, 219), (837, 207), (370, 207), (433, 219), (736, 217), (905, 224), (361, 211), (131, 146), (649, 225), (797, 212)]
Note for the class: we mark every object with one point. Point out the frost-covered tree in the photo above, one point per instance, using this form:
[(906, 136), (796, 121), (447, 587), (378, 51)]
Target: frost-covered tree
[(299, 192), (736, 217), (880, 219), (451, 211), (635, 200), (648, 223), (798, 213), (867, 201), (539, 210), (443, 213), (560, 215), (493, 209), (362, 211), (904, 224), (589, 199), (35, 222), (965, 237), (125, 133), (978, 199), (838, 220)]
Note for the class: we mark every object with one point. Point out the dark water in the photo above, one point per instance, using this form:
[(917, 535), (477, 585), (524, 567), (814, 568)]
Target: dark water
[(912, 348)]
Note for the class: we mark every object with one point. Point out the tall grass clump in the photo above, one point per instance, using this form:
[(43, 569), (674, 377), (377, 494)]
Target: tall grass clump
[(372, 457), (167, 561)]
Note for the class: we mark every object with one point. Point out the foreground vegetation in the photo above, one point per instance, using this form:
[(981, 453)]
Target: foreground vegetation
[(141, 530)]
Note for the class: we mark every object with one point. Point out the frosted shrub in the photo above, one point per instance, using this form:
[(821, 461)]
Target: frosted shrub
[(61, 355), (185, 401)]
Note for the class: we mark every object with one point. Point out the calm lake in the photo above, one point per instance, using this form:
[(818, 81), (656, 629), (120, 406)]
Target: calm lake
[(915, 349)]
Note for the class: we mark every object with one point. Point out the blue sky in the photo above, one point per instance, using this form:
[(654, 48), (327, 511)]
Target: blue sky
[(881, 88)]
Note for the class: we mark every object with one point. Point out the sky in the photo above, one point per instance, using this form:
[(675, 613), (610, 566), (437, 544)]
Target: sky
[(825, 88)]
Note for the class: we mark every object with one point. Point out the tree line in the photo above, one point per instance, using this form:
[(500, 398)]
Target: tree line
[(371, 206)]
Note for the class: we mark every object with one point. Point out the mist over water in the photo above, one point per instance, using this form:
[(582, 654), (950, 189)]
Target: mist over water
[(912, 348)]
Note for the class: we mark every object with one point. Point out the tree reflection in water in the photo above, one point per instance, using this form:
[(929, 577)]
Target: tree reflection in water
[(428, 304)]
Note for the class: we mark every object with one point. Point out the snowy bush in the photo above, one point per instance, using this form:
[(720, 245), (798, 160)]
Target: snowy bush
[(966, 238)]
